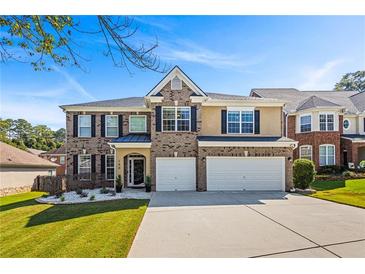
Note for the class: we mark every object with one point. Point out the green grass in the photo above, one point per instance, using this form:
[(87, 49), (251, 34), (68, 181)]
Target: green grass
[(350, 192), (102, 229)]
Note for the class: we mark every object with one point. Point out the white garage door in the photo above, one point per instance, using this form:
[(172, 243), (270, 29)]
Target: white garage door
[(175, 174), (238, 173)]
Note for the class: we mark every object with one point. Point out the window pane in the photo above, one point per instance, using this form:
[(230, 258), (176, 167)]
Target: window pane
[(85, 161), (168, 125), (322, 118), (110, 173), (322, 160), (233, 127), (111, 121), (85, 131), (305, 128), (331, 150), (183, 113), (305, 119), (331, 160), (62, 160), (306, 152), (247, 127), (322, 126), (85, 120), (305, 123), (111, 131), (247, 116), (330, 126), (168, 113), (138, 124), (233, 116), (330, 118), (183, 125), (322, 150)]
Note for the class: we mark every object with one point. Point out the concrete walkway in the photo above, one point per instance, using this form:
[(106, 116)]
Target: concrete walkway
[(255, 224)]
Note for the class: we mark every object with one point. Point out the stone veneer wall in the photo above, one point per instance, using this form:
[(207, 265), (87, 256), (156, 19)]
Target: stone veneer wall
[(239, 152), (164, 144), (95, 145)]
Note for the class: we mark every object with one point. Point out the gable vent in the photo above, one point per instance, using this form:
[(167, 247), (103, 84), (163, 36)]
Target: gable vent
[(176, 83)]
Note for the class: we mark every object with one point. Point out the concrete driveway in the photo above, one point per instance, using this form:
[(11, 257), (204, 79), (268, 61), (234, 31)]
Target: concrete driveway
[(248, 224)]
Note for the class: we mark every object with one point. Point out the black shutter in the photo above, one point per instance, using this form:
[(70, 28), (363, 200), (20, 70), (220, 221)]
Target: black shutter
[(364, 125), (120, 125), (93, 129), (158, 118), (193, 118), (224, 121), (75, 125), (102, 164), (102, 126), (76, 164), (93, 163), (257, 122)]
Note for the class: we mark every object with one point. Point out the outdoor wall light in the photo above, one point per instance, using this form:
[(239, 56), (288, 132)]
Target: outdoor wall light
[(246, 153), (290, 159), (175, 153)]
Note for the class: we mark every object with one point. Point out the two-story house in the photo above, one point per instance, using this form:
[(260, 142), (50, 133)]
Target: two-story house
[(329, 125), (184, 138)]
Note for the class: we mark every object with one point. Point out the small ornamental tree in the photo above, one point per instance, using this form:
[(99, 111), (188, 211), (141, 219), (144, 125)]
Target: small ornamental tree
[(303, 173)]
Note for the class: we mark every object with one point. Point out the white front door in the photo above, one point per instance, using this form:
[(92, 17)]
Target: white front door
[(245, 173), (178, 173)]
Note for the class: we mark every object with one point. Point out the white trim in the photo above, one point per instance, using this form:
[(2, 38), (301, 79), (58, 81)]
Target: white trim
[(343, 124), (78, 126), (134, 157), (247, 144), (145, 123), (131, 145), (300, 122), (176, 107), (247, 102), (197, 99), (105, 109), (176, 71), (334, 154), (353, 141), (300, 152), (155, 99), (106, 126), (240, 110), (106, 167)]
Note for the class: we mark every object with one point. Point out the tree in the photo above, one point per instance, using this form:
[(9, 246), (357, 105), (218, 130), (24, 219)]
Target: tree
[(45, 39), (354, 81), (60, 135)]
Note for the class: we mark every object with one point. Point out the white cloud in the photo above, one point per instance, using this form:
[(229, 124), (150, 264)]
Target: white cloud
[(185, 50), (323, 77)]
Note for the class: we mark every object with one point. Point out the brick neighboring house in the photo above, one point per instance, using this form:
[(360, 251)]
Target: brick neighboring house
[(329, 125), (183, 137), (58, 156)]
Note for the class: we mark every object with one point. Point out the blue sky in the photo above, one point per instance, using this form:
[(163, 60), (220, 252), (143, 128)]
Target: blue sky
[(229, 54)]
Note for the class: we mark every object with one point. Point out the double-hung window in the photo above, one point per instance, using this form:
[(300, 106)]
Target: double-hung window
[(109, 167), (305, 152), (326, 122), (85, 166), (111, 125), (137, 123), (326, 155), (176, 118), (305, 123), (84, 125), (240, 121)]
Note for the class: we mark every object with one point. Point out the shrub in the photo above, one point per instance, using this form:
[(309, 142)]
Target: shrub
[(78, 191), (62, 198), (104, 190), (303, 173), (112, 192), (348, 174), (92, 198), (84, 194), (362, 164), (330, 170), (58, 193)]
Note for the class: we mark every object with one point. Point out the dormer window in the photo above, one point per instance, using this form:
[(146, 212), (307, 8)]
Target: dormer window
[(176, 83)]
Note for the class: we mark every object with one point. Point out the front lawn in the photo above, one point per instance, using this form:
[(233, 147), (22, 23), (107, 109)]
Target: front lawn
[(350, 192), (101, 229)]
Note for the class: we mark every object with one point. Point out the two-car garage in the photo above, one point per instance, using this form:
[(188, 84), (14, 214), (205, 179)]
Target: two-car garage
[(222, 173)]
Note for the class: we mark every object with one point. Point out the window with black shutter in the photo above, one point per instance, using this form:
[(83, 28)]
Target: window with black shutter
[(224, 121)]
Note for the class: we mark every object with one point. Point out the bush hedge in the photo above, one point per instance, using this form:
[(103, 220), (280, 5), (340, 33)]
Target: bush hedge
[(303, 173)]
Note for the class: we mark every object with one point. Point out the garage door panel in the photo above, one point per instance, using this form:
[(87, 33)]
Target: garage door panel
[(175, 174), (224, 173)]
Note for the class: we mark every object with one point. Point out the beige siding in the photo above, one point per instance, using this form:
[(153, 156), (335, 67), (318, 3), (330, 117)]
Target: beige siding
[(353, 129), (20, 177), (270, 121)]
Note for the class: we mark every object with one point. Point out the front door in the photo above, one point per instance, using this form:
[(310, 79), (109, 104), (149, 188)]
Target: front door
[(136, 171)]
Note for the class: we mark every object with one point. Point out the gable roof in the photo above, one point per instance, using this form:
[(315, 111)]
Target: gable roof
[(295, 97), (313, 102), (176, 71), (35, 151), (60, 150), (359, 100), (123, 102), (14, 157)]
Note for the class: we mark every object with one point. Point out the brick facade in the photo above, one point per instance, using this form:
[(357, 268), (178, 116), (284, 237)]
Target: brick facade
[(315, 139), (61, 169), (355, 151)]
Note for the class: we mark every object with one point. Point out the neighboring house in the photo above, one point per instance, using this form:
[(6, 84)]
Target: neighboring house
[(58, 156), (19, 168), (35, 151), (329, 125), (183, 137)]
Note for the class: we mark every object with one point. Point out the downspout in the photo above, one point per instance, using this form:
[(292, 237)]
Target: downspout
[(115, 164)]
